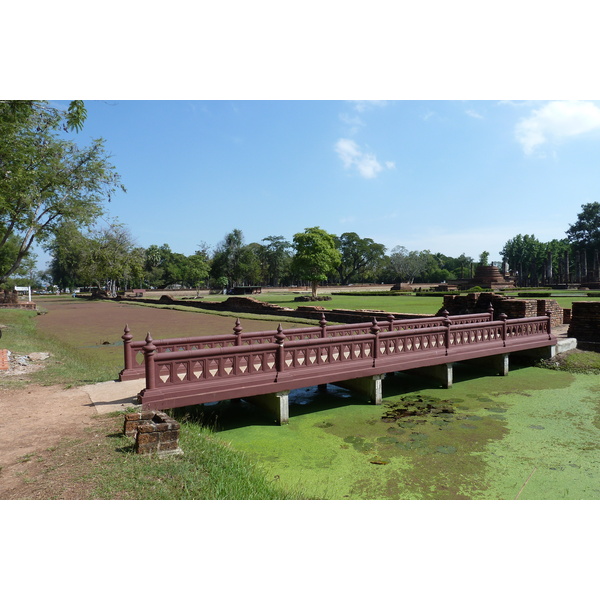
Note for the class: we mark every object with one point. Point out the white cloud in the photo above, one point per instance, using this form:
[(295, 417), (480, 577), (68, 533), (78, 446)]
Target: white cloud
[(363, 105), (353, 157), (555, 122), (354, 122), (474, 114)]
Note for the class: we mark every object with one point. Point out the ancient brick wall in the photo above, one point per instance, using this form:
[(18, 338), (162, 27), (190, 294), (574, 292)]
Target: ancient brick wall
[(557, 313), (512, 308), (585, 322)]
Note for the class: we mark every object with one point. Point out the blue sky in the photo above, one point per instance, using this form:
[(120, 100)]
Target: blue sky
[(446, 176)]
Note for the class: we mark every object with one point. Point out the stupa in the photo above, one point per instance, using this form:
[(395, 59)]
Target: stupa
[(486, 277)]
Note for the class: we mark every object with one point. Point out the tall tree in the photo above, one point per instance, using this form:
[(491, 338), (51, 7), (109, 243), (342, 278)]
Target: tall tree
[(359, 255), (526, 257), (196, 270), (316, 256), (584, 234), (407, 265), (106, 257), (45, 178), (68, 249), (229, 258), (277, 257)]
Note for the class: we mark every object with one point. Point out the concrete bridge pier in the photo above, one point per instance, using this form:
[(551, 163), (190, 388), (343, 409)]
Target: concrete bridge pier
[(443, 374), (369, 386), (276, 404)]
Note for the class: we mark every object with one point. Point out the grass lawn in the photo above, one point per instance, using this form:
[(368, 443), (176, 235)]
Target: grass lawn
[(401, 303)]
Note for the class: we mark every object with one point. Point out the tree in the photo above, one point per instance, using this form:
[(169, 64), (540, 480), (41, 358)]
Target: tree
[(316, 256), (230, 260), (484, 259), (44, 178), (584, 234), (464, 261), (408, 265), (106, 258), (277, 258), (67, 248), (359, 255), (195, 271), (526, 257)]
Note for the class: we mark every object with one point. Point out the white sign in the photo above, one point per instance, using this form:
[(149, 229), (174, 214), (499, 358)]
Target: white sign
[(24, 289)]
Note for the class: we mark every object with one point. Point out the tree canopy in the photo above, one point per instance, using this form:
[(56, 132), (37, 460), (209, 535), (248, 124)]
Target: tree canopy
[(584, 234), (45, 178), (316, 256), (358, 256)]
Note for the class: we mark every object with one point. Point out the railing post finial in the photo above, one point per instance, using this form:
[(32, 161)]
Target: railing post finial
[(127, 357), (323, 324), (237, 330), (280, 336), (279, 339), (149, 351)]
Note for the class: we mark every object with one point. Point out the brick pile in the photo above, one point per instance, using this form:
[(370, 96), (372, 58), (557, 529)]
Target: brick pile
[(154, 432)]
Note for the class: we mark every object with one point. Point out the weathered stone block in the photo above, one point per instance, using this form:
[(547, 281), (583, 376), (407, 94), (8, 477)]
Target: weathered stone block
[(154, 431), (147, 438)]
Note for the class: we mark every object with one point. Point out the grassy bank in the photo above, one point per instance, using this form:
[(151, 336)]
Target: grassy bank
[(66, 366), (209, 469)]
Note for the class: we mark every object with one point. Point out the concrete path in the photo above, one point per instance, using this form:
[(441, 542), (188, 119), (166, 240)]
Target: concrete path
[(112, 396)]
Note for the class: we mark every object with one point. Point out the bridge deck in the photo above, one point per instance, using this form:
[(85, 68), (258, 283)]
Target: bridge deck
[(181, 378)]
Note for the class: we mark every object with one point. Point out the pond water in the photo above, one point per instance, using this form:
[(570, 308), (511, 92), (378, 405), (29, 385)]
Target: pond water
[(530, 435)]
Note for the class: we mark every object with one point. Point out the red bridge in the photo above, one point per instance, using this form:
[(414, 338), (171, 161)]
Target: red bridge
[(263, 367)]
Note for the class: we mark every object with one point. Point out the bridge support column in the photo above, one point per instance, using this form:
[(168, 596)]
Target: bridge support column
[(370, 386), (441, 373), (276, 404)]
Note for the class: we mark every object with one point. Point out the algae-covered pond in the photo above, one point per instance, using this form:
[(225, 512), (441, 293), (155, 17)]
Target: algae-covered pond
[(530, 435)]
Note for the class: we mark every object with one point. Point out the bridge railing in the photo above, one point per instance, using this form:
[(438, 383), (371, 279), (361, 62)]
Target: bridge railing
[(346, 353), (133, 353)]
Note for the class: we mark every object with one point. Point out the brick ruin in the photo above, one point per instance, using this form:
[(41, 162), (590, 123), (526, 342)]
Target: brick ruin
[(154, 432), (487, 277), (585, 325), (10, 299), (512, 308)]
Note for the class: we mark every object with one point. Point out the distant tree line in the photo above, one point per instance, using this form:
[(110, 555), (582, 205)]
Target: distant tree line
[(108, 258), (52, 191)]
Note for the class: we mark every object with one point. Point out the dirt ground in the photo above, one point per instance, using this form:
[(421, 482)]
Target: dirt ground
[(37, 420)]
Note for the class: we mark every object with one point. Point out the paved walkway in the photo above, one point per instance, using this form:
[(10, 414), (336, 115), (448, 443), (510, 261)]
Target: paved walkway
[(112, 396)]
